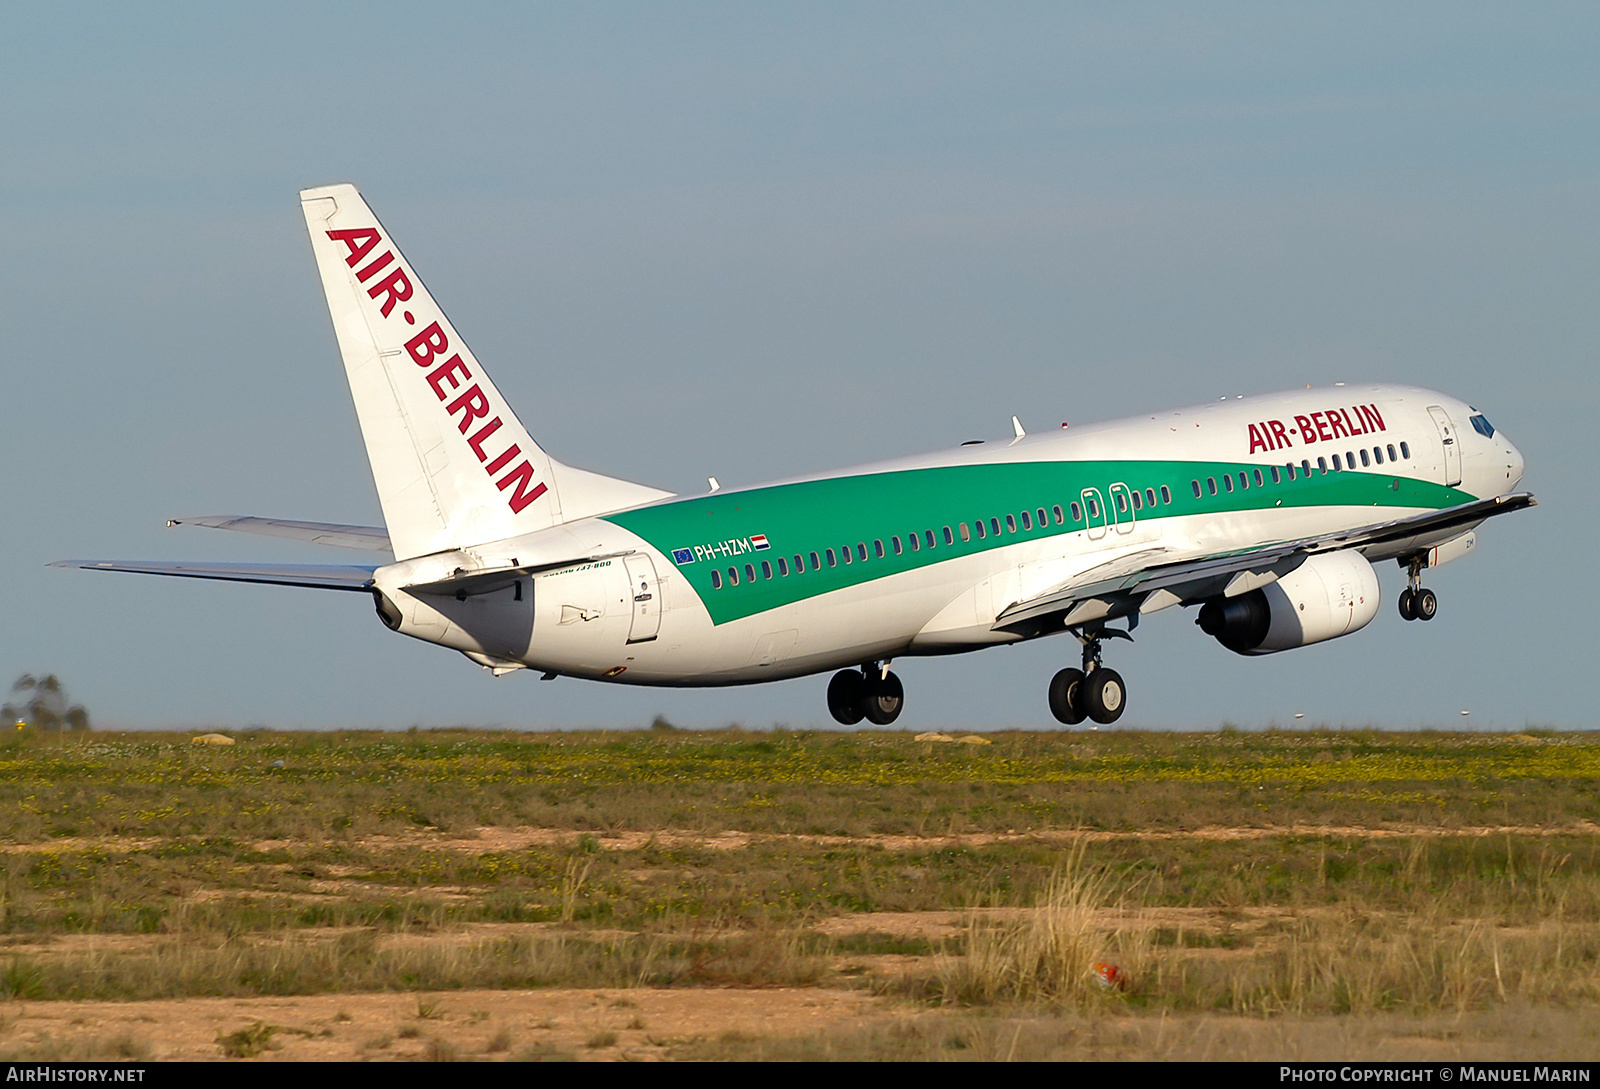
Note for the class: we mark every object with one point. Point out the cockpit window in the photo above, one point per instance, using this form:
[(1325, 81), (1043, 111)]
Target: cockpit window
[(1481, 424)]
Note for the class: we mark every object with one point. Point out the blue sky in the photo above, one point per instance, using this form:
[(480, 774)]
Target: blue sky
[(759, 240)]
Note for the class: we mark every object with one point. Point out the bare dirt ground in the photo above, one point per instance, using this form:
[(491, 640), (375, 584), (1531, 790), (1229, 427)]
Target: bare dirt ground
[(644, 1025), (628, 1025)]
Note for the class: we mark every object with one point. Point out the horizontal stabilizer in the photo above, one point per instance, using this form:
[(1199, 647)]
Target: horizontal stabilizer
[(312, 576), (369, 538), (471, 583)]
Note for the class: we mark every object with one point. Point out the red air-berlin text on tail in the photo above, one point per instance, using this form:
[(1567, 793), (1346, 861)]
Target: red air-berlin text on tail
[(1325, 426), (431, 344)]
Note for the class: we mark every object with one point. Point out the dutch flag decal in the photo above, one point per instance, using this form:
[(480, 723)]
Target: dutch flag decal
[(759, 542)]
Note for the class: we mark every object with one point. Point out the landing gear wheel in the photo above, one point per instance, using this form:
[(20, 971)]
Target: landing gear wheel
[(881, 700), (1408, 605), (846, 694), (1425, 604), (1066, 696), (1104, 697)]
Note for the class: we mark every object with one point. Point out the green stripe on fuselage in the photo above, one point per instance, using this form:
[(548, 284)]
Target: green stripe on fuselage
[(841, 512)]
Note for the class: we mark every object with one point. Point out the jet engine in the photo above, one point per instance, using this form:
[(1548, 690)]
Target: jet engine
[(1329, 595)]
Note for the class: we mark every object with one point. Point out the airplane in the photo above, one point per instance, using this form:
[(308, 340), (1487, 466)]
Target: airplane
[(1265, 514)]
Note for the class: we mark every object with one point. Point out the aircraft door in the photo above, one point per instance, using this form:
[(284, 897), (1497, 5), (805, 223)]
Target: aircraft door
[(1094, 513), (646, 593), (1452, 448), (1121, 508)]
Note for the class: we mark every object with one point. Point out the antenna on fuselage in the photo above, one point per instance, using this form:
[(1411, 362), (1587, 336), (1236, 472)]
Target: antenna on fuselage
[(1016, 425)]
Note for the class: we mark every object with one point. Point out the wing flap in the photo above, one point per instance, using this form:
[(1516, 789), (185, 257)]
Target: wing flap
[(311, 576)]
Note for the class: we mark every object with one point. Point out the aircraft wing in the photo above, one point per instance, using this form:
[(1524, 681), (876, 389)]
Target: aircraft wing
[(312, 576), (371, 538), (1142, 583)]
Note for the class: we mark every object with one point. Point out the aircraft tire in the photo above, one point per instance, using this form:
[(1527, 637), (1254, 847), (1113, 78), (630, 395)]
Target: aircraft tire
[(1408, 605), (1104, 696), (882, 700), (846, 694), (1066, 697), (1426, 605)]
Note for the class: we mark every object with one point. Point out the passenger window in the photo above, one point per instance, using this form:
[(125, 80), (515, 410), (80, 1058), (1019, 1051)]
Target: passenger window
[(799, 564), (1056, 510), (1026, 524), (832, 561), (916, 542), (815, 565), (1138, 502), (1149, 497), (716, 579), (877, 548), (1227, 482), (929, 537), (1276, 477), (894, 543), (1322, 465), (861, 551), (1011, 520), (994, 526), (1122, 502), (766, 569), (1211, 485), (733, 576), (783, 566), (1043, 521), (1365, 461), (978, 525), (1244, 480), (1305, 467), (1196, 484), (750, 572), (1259, 482), (1391, 453), (966, 534), (1166, 494), (844, 554), (1094, 508), (1405, 451), (1336, 463), (1077, 513), (949, 538), (1377, 454)]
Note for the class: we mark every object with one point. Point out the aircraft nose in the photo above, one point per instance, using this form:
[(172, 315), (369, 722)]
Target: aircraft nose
[(1513, 464)]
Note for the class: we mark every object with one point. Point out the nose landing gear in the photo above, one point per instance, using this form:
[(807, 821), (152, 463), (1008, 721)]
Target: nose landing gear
[(1094, 691), (872, 693), (1417, 603)]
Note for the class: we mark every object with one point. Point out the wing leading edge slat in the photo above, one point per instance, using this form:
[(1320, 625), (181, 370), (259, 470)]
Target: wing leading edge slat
[(1206, 576)]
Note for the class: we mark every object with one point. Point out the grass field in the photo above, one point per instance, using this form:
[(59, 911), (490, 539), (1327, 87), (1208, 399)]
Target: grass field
[(1247, 888)]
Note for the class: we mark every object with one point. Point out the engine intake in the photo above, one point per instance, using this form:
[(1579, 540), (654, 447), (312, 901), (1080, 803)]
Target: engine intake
[(1329, 595)]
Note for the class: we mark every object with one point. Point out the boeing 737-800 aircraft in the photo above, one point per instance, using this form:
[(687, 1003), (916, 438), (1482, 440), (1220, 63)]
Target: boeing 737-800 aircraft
[(1265, 512)]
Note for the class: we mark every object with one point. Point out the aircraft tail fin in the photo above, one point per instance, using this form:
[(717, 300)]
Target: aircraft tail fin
[(452, 463)]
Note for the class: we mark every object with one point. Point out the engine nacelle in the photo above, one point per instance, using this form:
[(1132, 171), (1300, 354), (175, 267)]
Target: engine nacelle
[(1327, 596)]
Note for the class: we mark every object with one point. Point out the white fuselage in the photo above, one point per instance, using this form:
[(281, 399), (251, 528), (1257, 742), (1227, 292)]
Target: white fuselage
[(635, 614)]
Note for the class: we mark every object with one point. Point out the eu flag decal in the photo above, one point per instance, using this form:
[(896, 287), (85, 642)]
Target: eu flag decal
[(682, 555)]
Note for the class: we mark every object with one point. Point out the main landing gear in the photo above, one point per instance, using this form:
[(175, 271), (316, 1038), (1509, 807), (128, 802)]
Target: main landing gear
[(872, 693), (1091, 692), (1415, 602)]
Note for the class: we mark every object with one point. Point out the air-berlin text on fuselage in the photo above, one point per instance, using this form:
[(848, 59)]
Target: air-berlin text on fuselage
[(430, 344), (1324, 426)]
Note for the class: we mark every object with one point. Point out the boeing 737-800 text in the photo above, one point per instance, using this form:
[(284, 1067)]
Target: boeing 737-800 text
[(1266, 513)]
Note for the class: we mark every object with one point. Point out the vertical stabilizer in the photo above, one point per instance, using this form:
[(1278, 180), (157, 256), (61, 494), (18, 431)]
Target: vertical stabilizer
[(452, 464)]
